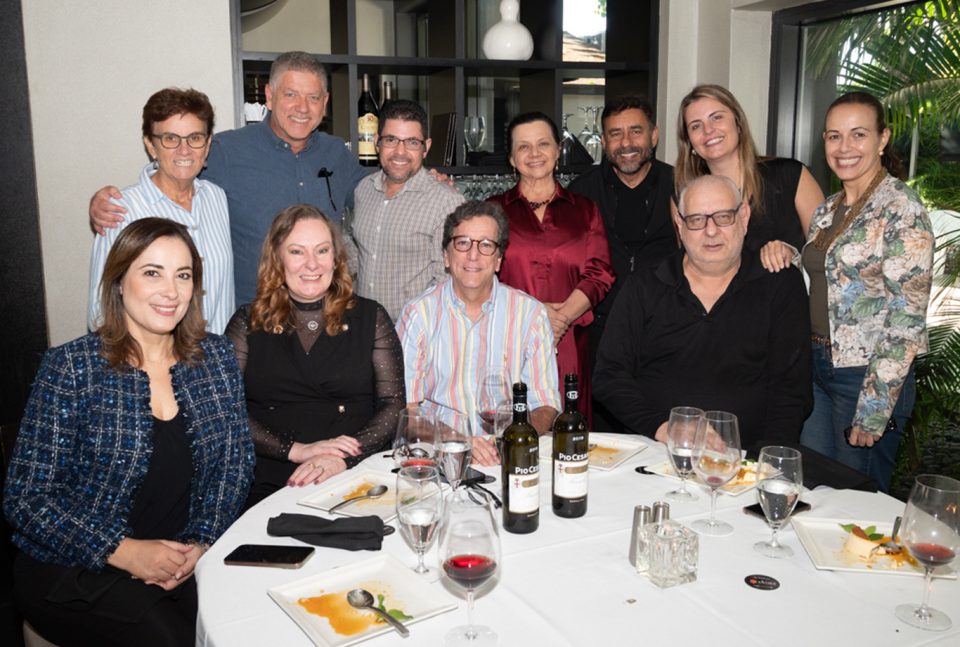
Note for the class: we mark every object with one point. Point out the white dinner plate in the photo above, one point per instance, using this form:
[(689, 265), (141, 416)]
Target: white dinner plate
[(384, 507), (384, 575), (607, 450), (736, 487), (823, 539)]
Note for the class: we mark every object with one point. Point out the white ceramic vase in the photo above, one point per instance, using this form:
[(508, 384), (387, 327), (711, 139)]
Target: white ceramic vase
[(508, 39)]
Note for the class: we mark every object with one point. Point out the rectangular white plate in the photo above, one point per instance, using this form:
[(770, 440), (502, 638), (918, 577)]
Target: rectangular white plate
[(384, 507), (401, 587), (823, 539), (733, 488), (609, 450)]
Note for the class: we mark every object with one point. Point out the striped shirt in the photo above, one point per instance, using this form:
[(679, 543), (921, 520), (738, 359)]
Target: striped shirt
[(445, 353), (397, 241), (209, 226)]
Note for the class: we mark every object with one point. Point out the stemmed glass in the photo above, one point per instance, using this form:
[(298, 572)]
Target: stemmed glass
[(779, 483), (493, 393), (419, 510), (931, 532), (415, 443), (594, 144), (474, 132), (681, 434), (470, 555), (454, 446), (716, 460)]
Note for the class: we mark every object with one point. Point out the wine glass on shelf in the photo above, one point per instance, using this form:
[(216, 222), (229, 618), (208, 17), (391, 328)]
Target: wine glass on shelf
[(584, 135), (470, 556), (415, 442), (681, 434), (716, 460), (594, 144), (493, 391), (474, 132), (454, 444), (931, 532), (419, 511), (779, 483)]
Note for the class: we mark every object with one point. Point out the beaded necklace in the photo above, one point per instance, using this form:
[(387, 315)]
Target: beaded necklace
[(823, 239)]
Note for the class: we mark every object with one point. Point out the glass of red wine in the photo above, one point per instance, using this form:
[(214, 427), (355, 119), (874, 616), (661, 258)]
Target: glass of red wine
[(716, 460), (415, 443), (931, 532), (493, 395), (469, 557)]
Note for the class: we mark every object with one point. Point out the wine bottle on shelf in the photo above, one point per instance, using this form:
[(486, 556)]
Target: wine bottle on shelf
[(387, 92), (570, 455), (520, 469), (367, 123)]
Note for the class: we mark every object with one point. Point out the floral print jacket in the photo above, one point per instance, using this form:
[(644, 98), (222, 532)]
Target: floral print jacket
[(878, 285)]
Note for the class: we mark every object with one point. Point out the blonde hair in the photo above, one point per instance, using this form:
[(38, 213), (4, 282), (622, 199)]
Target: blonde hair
[(272, 310), (689, 165)]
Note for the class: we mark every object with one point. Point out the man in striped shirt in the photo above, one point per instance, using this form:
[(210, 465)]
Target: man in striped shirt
[(453, 332)]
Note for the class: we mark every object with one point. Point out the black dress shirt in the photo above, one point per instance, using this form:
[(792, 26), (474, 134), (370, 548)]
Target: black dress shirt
[(749, 355)]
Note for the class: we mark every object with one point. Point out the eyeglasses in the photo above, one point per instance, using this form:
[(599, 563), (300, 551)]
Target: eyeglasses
[(410, 143), (465, 244), (722, 218), (172, 140)]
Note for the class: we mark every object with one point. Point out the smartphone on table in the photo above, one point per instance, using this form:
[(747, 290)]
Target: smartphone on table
[(269, 555)]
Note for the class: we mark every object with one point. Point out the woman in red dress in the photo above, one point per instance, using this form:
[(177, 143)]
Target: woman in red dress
[(558, 246)]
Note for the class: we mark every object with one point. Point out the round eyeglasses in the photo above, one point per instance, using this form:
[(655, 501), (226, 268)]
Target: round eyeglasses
[(172, 140), (465, 244), (722, 218)]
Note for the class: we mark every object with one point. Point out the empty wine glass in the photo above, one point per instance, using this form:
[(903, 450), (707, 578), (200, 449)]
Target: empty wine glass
[(716, 460), (779, 483), (415, 442), (681, 434), (474, 132), (931, 532), (454, 446), (594, 144), (470, 556), (419, 511)]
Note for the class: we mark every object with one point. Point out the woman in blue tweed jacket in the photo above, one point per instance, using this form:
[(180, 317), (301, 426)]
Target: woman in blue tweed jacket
[(134, 454)]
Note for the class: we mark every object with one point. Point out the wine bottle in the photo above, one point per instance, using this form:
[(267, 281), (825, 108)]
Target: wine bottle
[(570, 455), (521, 469), (387, 92), (367, 123)]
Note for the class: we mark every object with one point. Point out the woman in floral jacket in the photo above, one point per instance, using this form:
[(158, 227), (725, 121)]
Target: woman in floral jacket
[(868, 260)]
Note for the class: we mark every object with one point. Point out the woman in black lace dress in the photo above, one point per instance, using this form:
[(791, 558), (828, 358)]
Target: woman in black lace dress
[(322, 367)]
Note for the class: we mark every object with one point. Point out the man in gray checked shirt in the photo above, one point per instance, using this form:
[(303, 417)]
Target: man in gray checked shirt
[(395, 235)]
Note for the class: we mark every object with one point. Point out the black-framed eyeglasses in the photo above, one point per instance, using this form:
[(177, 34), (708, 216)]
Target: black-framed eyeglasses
[(172, 140), (722, 218), (465, 244), (410, 143)]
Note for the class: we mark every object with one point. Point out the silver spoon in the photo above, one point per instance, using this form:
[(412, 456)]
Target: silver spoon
[(375, 492), (892, 547), (363, 599)]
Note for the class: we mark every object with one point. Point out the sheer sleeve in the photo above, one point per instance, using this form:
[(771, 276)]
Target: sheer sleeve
[(267, 442), (389, 392)]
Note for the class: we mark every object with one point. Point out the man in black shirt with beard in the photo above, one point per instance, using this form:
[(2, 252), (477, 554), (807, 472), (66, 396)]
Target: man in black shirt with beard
[(632, 191)]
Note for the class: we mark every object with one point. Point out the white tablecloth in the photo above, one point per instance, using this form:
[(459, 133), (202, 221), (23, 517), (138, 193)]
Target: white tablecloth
[(570, 583)]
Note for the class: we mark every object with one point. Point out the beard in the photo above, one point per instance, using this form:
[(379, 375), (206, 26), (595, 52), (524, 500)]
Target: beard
[(631, 166)]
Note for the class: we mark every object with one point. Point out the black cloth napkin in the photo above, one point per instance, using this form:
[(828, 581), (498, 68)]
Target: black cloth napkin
[(349, 533)]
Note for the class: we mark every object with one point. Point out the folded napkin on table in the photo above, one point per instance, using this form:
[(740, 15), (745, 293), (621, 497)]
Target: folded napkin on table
[(349, 533)]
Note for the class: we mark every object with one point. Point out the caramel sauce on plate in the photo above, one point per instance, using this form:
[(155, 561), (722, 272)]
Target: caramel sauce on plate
[(343, 618)]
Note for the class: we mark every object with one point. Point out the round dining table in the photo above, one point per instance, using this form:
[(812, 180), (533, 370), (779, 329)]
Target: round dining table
[(571, 584)]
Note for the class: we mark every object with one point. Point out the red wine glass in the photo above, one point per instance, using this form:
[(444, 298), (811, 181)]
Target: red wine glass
[(716, 460), (931, 532), (469, 557), (415, 442)]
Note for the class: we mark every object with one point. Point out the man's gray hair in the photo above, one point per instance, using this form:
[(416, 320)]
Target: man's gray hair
[(711, 181), (297, 62)]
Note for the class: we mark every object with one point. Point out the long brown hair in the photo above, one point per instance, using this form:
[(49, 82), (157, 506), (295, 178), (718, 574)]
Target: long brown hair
[(889, 159), (689, 165), (271, 310), (119, 347)]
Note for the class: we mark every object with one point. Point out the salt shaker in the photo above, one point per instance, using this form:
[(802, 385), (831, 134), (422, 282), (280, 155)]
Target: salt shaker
[(642, 515), (661, 511)]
